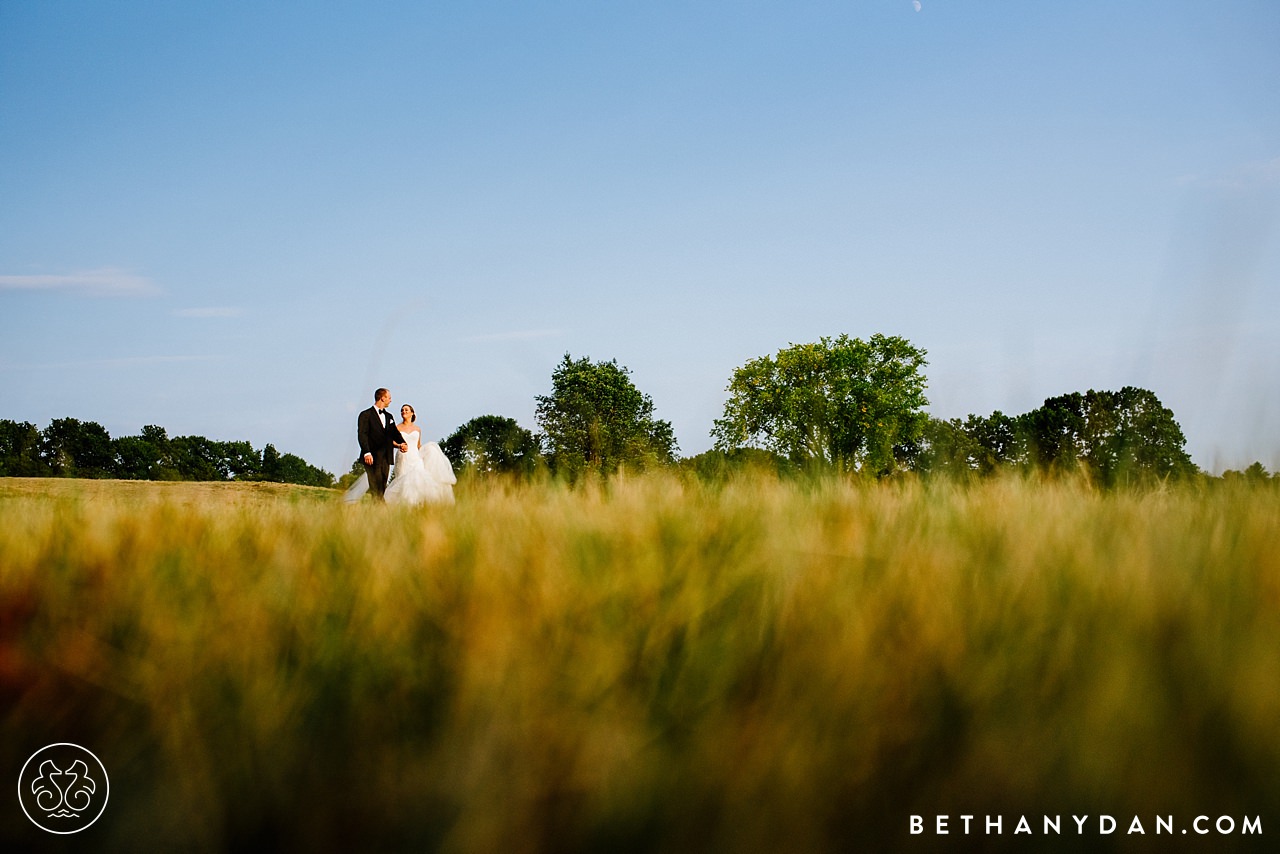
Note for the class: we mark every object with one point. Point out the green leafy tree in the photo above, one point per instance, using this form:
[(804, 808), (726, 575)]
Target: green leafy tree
[(299, 471), (73, 448), (271, 467), (289, 468), (976, 446), (946, 448), (493, 444), (843, 402), (135, 458), (147, 456), (20, 450), (997, 443), (1255, 474), (1115, 437), (198, 458), (717, 466), (159, 439), (355, 473), (240, 460), (1055, 433), (596, 420), (1133, 435)]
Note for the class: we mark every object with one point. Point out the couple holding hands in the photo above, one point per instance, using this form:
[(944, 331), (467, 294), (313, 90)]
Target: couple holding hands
[(423, 474)]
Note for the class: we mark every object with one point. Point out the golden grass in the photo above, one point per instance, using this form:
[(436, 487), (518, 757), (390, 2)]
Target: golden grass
[(651, 665), (187, 492)]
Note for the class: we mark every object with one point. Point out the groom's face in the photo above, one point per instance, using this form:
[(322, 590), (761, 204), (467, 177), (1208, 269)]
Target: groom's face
[(384, 401)]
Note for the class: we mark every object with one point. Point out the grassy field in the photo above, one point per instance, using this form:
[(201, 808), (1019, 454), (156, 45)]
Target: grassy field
[(657, 665)]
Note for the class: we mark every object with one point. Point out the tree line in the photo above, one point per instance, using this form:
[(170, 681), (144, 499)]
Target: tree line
[(594, 422), (72, 448), (839, 404), (1113, 437)]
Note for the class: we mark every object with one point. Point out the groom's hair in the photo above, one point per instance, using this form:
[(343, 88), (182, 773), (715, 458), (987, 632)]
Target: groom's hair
[(380, 394)]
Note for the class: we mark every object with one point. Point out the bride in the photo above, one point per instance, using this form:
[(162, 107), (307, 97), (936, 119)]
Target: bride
[(422, 474)]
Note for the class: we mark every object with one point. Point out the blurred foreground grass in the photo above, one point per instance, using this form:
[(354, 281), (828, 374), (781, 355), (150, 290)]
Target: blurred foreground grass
[(651, 666)]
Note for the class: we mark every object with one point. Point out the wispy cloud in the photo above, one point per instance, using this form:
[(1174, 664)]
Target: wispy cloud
[(120, 362), (521, 335), (131, 361), (1256, 175), (106, 282), (212, 311), (1267, 172)]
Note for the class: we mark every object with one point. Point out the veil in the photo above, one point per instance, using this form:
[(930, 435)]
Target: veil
[(356, 491)]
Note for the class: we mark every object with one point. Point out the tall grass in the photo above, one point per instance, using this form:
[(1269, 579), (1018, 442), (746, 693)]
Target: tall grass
[(651, 665)]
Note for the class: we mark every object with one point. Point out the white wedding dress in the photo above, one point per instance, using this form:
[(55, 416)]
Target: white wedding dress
[(422, 474)]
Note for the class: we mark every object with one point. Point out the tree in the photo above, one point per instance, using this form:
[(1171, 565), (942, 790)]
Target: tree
[(945, 447), (148, 456), (595, 419), (843, 402), (493, 444), (996, 441), (976, 446), (20, 450), (1116, 436), (355, 473), (72, 448), (290, 468), (717, 466), (198, 458), (135, 458), (1255, 474), (1113, 437), (270, 468), (1055, 433), (240, 460), (1142, 439)]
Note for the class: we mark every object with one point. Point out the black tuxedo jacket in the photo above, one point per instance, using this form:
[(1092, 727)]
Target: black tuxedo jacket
[(376, 436)]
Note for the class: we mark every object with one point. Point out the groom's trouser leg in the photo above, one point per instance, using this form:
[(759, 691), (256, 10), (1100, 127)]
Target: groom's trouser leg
[(377, 474)]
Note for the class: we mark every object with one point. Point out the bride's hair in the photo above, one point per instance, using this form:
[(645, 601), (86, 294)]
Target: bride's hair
[(413, 416)]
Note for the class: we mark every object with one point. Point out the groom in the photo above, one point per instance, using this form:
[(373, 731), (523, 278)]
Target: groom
[(379, 437)]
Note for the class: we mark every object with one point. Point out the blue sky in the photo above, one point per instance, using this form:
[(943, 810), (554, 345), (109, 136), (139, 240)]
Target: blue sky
[(236, 219)]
